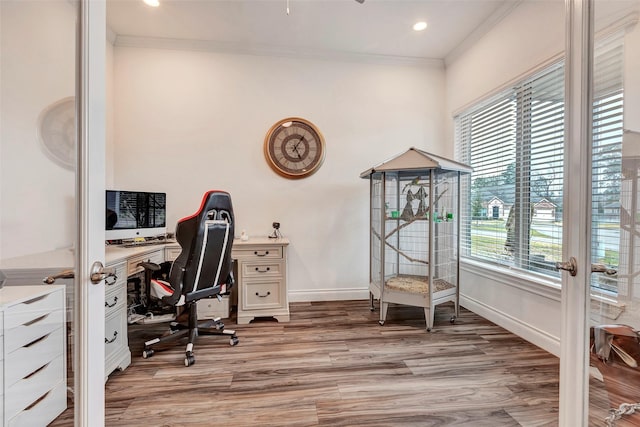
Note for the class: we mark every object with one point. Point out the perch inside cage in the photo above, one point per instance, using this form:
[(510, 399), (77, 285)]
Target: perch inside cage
[(414, 241)]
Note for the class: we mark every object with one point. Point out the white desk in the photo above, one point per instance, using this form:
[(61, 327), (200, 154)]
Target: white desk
[(261, 283)]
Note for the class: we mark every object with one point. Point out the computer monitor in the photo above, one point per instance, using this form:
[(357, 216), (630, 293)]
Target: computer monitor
[(132, 214)]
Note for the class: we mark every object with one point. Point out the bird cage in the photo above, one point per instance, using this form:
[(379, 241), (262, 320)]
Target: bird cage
[(415, 232)]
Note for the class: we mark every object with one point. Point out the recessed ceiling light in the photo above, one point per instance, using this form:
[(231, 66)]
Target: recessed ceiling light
[(419, 26), (152, 3)]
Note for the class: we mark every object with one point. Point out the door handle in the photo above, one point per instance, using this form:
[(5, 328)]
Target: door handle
[(64, 274), (601, 268), (99, 272), (571, 266)]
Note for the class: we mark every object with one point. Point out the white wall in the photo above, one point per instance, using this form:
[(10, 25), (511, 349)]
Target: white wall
[(532, 34), (37, 69), (190, 121)]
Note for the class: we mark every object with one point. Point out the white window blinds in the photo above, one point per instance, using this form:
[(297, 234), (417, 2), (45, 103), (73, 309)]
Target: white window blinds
[(515, 143), (607, 157)]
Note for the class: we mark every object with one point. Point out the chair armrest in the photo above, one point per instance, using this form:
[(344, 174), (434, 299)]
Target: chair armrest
[(151, 266)]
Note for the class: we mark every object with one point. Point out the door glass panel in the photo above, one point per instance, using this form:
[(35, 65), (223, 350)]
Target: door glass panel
[(614, 351), (37, 209)]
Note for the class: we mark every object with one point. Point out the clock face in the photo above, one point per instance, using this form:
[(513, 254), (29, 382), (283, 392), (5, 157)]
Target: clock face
[(294, 148)]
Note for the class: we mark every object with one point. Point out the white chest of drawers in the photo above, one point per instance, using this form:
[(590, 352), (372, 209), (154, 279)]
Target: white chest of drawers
[(116, 344), (33, 352), (262, 279)]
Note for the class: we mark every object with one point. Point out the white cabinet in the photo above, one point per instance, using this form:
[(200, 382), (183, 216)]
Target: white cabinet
[(116, 344), (33, 353), (262, 279)]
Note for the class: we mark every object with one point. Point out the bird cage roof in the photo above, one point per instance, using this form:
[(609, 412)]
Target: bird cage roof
[(415, 159)]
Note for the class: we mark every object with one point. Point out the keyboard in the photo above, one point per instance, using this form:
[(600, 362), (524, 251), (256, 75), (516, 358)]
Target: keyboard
[(147, 243)]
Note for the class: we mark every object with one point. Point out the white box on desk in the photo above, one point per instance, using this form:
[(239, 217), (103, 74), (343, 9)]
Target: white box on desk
[(209, 308)]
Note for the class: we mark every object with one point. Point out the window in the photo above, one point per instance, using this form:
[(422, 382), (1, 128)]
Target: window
[(515, 143), (607, 161)]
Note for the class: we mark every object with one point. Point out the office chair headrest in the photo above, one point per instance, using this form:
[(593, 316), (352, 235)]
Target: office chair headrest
[(216, 204)]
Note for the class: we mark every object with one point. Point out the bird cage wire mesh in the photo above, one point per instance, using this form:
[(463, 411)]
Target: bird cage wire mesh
[(414, 252)]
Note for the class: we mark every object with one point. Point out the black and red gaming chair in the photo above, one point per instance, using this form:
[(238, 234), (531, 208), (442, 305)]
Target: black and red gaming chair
[(203, 269)]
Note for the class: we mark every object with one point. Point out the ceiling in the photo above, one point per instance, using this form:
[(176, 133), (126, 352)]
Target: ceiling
[(378, 28)]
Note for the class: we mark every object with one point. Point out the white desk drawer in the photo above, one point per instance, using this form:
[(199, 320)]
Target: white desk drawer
[(26, 311), (258, 252), (132, 263), (264, 294), (44, 410), (115, 330), (119, 281), (21, 336), (262, 269), (115, 301), (170, 254), (25, 360), (28, 390)]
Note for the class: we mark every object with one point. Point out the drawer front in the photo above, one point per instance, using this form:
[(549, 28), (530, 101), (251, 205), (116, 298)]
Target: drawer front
[(115, 301), (258, 252), (262, 269), (115, 330), (27, 311), (28, 390), (264, 294), (44, 410), (119, 281), (25, 360), (170, 254), (210, 308), (132, 264), (25, 334)]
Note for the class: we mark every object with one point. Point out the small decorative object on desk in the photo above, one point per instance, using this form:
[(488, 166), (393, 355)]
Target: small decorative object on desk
[(276, 231), (244, 236)]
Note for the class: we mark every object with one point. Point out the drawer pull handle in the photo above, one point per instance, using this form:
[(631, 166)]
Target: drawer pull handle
[(263, 271), (265, 253), (115, 335), (36, 320), (36, 371), (115, 301), (34, 404), (37, 340), (263, 296), (111, 280), (36, 299)]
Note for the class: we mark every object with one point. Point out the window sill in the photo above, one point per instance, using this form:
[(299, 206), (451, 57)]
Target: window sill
[(532, 283), (603, 307)]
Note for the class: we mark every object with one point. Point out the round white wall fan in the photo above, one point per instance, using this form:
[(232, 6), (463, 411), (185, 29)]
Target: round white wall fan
[(57, 132)]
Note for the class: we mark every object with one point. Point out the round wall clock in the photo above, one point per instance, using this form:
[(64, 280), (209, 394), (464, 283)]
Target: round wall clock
[(294, 148)]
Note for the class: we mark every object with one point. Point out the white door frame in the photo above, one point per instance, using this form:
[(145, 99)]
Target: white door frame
[(574, 363), (90, 184)]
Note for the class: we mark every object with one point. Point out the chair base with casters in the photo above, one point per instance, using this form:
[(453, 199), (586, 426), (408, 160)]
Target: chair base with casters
[(191, 329)]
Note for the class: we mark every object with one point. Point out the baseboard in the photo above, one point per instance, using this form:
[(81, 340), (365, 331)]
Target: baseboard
[(525, 331), (328, 294)]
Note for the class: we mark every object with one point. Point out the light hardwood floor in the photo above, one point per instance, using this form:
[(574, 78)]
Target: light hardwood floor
[(334, 365)]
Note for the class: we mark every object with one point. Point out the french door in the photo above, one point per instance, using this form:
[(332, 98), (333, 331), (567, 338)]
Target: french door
[(52, 143), (601, 244)]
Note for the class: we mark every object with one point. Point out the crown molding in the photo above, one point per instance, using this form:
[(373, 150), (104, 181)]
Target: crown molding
[(271, 50), (481, 30), (111, 36)]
